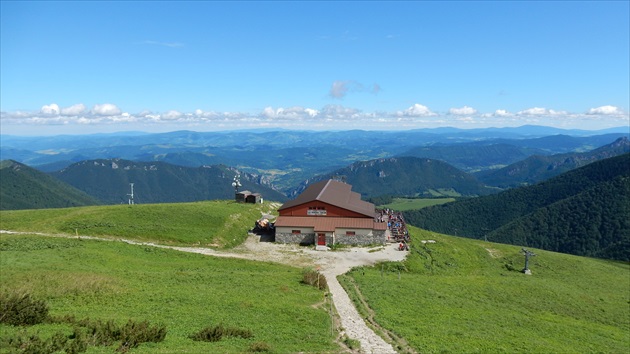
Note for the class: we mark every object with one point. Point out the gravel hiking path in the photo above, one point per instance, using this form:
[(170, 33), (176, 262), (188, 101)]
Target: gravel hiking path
[(329, 263)]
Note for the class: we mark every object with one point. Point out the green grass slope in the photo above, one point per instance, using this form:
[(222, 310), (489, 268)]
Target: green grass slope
[(468, 296), (22, 187), (213, 223), (114, 281)]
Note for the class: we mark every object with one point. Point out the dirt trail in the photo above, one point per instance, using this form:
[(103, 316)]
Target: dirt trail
[(329, 263)]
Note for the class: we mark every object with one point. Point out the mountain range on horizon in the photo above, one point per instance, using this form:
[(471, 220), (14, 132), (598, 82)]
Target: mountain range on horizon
[(289, 157), (106, 181)]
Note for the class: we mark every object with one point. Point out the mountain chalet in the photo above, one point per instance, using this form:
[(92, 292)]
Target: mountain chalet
[(326, 213)]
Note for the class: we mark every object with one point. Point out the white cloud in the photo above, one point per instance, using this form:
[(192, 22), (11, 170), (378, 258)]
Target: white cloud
[(502, 113), (417, 110), (537, 111), (51, 109), (328, 117), (171, 115), (295, 113), (311, 112), (106, 109), (605, 110), (462, 111), (73, 110)]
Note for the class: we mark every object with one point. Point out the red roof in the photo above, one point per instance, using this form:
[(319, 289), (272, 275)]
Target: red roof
[(323, 224), (334, 193)]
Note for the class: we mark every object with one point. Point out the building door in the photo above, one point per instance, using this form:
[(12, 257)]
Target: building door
[(321, 239)]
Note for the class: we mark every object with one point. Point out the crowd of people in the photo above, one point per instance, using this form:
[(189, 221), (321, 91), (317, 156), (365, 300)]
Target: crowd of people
[(396, 226)]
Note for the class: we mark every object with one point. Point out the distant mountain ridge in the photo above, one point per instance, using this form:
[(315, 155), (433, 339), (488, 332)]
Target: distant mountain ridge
[(472, 157), (583, 212), (538, 168), (23, 187), (287, 157), (404, 176), (159, 182)]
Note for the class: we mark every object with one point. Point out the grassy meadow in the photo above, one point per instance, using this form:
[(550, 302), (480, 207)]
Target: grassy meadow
[(104, 280), (219, 224), (115, 281), (456, 295), (404, 204), (468, 296)]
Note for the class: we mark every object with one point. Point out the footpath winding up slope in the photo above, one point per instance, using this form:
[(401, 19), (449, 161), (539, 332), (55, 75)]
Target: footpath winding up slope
[(330, 264)]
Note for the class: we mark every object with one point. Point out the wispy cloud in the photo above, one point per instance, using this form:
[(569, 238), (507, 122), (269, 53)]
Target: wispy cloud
[(340, 89)]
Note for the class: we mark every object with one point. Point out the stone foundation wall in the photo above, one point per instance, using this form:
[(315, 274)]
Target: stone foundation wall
[(375, 237), (308, 238)]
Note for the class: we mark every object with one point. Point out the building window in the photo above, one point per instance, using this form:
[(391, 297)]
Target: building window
[(296, 231), (350, 233)]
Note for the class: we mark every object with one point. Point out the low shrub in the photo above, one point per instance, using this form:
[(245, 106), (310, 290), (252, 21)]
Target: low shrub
[(23, 342), (133, 334), (87, 333), (215, 333), (352, 344), (314, 278), (21, 309), (97, 332)]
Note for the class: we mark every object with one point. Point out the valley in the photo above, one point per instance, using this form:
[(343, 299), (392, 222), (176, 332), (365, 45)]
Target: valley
[(465, 192)]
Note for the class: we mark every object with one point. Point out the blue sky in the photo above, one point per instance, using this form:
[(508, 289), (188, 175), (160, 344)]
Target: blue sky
[(85, 67)]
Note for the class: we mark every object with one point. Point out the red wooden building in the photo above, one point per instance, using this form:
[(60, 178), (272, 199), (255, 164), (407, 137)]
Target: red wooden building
[(328, 212)]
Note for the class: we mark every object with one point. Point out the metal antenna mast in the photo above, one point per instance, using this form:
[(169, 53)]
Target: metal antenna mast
[(527, 254), (236, 183), (131, 194)]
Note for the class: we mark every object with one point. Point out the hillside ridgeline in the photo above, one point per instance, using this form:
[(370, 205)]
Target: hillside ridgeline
[(583, 212), (158, 182), (23, 187), (538, 168), (404, 176)]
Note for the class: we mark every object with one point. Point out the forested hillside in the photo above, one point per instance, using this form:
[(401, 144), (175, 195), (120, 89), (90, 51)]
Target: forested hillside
[(158, 182), (473, 157), (22, 187), (583, 212), (405, 176), (539, 168)]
